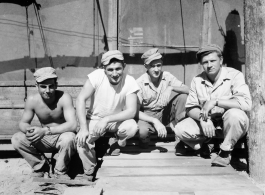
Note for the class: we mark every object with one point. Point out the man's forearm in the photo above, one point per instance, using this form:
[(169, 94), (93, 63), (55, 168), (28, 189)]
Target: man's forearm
[(61, 128), (122, 116), (183, 89), (145, 117), (81, 113), (23, 127), (227, 104), (194, 113)]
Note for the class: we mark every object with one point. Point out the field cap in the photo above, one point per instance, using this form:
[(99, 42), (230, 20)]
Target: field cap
[(44, 74), (106, 57), (207, 49), (150, 55)]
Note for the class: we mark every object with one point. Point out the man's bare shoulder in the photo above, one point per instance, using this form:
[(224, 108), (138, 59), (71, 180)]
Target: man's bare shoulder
[(63, 97), (33, 99)]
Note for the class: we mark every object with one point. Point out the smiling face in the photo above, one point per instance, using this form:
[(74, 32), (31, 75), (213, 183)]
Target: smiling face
[(154, 69), (47, 89), (212, 64), (114, 72)]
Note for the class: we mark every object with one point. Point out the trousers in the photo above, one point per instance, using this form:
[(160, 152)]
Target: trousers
[(174, 111), (235, 124), (63, 143), (87, 154)]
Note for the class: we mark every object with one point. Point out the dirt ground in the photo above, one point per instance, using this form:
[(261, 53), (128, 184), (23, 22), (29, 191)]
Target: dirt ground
[(15, 179)]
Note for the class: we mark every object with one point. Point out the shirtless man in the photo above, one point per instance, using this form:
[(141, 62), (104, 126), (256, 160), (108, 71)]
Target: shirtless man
[(56, 114)]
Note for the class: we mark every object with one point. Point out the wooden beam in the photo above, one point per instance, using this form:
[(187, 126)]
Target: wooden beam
[(255, 76)]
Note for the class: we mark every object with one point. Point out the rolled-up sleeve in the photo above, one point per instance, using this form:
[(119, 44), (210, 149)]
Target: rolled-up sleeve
[(192, 99), (240, 92), (140, 92), (174, 82)]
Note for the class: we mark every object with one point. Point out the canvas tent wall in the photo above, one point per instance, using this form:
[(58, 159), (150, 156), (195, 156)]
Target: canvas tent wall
[(74, 35)]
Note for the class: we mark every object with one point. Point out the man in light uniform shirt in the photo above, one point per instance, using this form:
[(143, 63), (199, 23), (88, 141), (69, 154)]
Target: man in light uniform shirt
[(217, 104)]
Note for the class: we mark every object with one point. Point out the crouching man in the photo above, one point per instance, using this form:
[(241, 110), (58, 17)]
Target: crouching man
[(217, 104), (56, 114), (113, 105), (162, 98)]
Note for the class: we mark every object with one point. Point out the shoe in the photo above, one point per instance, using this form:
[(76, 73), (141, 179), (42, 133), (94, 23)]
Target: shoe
[(114, 149), (206, 150), (144, 143), (60, 176), (43, 172), (222, 159), (181, 149), (84, 177), (122, 143), (37, 174)]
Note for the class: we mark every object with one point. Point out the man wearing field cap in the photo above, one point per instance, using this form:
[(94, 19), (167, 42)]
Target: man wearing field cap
[(162, 98), (113, 105), (56, 132), (217, 104)]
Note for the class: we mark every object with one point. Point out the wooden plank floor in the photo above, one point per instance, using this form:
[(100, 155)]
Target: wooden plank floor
[(158, 171)]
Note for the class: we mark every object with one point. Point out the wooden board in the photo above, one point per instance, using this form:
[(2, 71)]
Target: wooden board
[(83, 191), (150, 156), (121, 192), (221, 192), (178, 184), (9, 122), (13, 96), (157, 149), (177, 162), (63, 181), (164, 171)]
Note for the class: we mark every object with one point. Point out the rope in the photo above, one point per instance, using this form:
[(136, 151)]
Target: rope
[(184, 42), (105, 35), (36, 9), (28, 36), (219, 26)]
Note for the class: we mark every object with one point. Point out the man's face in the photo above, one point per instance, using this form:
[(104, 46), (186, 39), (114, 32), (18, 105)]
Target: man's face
[(154, 68), (47, 88), (212, 64), (114, 72)]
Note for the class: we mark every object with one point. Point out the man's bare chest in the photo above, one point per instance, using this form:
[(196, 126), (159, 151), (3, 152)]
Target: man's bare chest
[(51, 114)]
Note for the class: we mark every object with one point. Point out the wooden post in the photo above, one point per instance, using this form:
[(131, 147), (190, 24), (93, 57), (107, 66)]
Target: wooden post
[(112, 23), (206, 26), (254, 11), (206, 23)]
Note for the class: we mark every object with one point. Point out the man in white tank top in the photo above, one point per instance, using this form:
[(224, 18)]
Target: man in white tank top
[(113, 106)]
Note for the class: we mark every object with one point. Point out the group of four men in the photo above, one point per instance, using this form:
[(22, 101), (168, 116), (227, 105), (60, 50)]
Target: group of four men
[(218, 97)]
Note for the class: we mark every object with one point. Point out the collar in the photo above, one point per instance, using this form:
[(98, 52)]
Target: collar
[(223, 76), (146, 78)]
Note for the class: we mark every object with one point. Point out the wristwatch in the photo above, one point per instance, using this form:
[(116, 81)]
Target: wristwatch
[(217, 101), (49, 130)]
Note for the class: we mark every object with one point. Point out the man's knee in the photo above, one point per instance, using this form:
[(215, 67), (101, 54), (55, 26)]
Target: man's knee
[(83, 151), (17, 139), (187, 129), (235, 116), (144, 129), (182, 98), (67, 139), (130, 126), (179, 130)]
